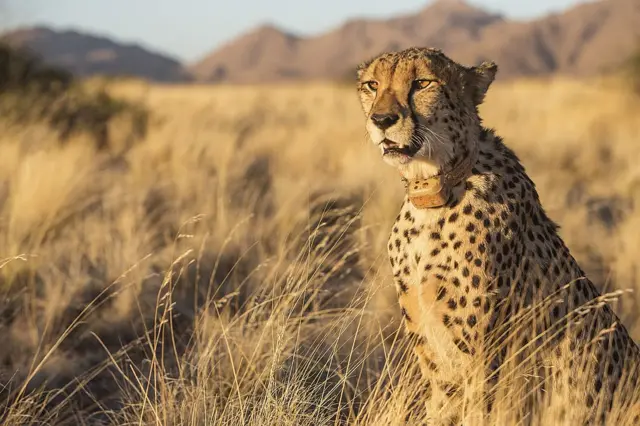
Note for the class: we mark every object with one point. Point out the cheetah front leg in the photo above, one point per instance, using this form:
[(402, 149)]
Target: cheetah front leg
[(447, 357), (443, 351), (408, 298), (444, 357)]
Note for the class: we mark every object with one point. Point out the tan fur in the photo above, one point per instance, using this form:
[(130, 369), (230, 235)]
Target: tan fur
[(487, 287)]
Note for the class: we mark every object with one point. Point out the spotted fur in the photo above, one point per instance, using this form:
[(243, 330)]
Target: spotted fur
[(486, 284)]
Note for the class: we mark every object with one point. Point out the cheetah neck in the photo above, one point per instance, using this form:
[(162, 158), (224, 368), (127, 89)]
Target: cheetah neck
[(436, 191)]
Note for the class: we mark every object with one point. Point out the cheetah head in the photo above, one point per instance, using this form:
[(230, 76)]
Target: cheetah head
[(421, 108)]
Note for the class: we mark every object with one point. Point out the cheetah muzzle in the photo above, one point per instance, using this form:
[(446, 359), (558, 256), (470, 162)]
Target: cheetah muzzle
[(487, 288)]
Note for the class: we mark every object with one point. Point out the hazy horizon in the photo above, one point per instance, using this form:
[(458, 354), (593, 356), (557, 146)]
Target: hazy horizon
[(191, 29)]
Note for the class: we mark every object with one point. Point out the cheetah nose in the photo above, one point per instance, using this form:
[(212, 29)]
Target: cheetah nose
[(384, 121)]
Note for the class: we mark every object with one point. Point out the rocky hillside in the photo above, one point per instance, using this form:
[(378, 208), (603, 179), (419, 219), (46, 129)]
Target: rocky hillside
[(583, 40), (86, 55)]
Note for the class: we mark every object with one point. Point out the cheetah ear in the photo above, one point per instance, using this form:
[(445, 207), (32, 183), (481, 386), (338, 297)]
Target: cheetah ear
[(480, 78)]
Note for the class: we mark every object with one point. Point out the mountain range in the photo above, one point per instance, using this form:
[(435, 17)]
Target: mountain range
[(87, 55), (583, 40)]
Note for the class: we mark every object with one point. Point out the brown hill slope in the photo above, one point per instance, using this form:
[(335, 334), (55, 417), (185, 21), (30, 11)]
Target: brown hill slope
[(583, 40), (86, 55)]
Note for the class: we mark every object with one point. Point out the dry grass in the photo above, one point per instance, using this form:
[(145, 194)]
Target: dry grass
[(231, 268)]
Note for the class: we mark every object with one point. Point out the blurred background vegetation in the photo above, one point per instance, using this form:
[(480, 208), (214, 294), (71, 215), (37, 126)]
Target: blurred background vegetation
[(35, 92)]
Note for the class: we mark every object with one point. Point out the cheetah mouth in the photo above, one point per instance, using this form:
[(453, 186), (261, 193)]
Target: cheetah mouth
[(391, 148)]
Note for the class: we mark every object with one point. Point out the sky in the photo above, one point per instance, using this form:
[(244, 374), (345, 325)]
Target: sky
[(189, 29)]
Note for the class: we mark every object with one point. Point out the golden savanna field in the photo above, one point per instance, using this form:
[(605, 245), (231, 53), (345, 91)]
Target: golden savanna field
[(230, 267)]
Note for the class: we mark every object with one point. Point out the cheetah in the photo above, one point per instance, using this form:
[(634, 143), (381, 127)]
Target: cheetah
[(498, 308)]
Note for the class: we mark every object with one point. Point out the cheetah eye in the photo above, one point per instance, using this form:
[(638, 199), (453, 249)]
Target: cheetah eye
[(422, 84), (371, 85)]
